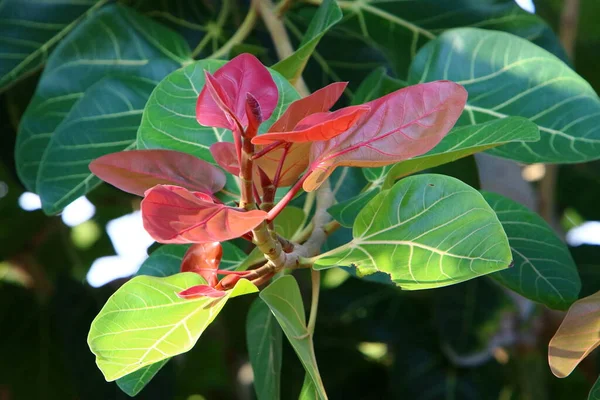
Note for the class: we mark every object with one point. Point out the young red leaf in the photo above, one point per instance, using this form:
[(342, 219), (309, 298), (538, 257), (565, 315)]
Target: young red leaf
[(294, 165), (319, 101), (317, 126), (400, 125), (203, 259), (225, 155), (244, 74), (136, 171), (201, 291), (172, 214)]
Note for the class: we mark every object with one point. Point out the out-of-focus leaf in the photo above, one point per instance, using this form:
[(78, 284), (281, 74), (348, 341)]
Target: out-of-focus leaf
[(346, 212), (576, 337), (401, 125), (284, 299), (426, 231), (264, 339), (328, 14), (164, 326), (595, 392), (509, 76), (173, 214)]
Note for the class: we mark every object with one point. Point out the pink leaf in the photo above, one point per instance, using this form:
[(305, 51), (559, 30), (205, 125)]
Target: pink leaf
[(136, 171), (172, 214), (244, 74), (317, 126), (225, 155), (203, 259), (295, 163), (401, 125), (319, 101), (201, 291)]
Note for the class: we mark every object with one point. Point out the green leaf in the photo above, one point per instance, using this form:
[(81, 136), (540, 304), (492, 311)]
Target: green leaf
[(133, 383), (30, 30), (169, 119), (289, 221), (509, 76), (595, 392), (263, 336), (284, 299), (377, 84), (166, 260), (467, 140), (345, 212), (109, 113), (308, 391), (327, 15), (426, 231), (115, 41), (144, 322), (544, 270)]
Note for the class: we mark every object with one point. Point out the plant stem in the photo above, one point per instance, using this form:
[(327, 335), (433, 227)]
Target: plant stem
[(223, 13), (240, 35), (267, 149), (315, 277), (247, 195), (286, 199)]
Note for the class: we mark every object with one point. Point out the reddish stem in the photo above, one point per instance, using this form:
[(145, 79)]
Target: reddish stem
[(280, 165), (267, 149), (287, 198), (256, 194)]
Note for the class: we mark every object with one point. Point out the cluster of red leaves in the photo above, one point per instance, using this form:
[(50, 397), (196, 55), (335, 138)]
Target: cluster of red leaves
[(301, 148)]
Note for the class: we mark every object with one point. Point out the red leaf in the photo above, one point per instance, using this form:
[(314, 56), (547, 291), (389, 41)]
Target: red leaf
[(401, 125), (225, 155), (319, 101), (136, 171), (200, 291), (317, 126), (244, 74), (203, 259), (295, 163), (172, 214)]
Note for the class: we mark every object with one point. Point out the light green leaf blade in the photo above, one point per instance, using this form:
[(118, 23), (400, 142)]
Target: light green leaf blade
[(509, 76), (144, 322), (264, 339), (133, 383), (308, 391), (595, 392), (289, 221), (544, 270), (104, 120), (345, 212), (114, 41), (30, 30), (284, 299), (169, 119), (166, 260), (466, 140), (327, 15), (426, 231)]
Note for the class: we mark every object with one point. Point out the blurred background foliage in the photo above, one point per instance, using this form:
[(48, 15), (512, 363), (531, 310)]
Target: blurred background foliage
[(469, 341)]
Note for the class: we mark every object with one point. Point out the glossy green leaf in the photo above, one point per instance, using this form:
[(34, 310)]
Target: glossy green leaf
[(30, 30), (595, 392), (264, 339), (284, 299), (345, 212), (114, 41), (169, 119), (544, 270), (464, 141), (133, 383), (377, 84), (509, 76), (145, 322), (64, 174), (289, 221), (426, 231), (166, 260), (327, 15)]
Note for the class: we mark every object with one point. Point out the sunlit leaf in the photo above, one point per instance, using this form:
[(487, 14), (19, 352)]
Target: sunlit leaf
[(138, 170), (426, 231), (576, 337), (144, 322), (509, 76), (284, 299), (264, 339), (172, 214), (401, 125)]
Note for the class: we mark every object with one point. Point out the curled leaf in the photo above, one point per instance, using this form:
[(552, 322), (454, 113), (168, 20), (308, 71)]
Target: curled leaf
[(317, 126), (225, 155), (172, 214), (203, 259), (400, 125), (230, 84), (200, 291), (136, 171)]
